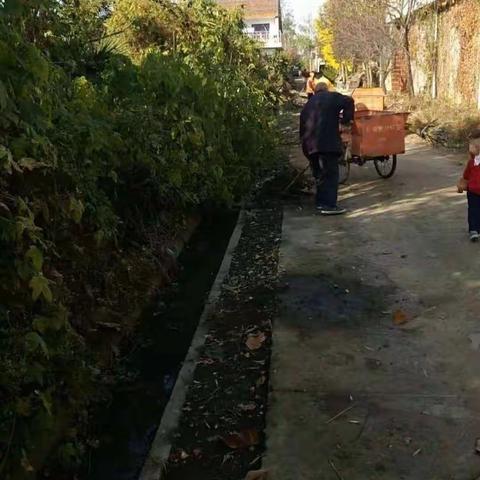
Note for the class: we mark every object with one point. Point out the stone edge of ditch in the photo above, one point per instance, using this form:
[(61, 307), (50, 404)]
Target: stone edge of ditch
[(154, 467)]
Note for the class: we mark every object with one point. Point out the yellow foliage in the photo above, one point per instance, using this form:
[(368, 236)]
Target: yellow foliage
[(124, 25), (325, 39)]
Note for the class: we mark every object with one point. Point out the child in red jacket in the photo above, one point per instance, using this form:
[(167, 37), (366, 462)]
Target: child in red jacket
[(470, 182)]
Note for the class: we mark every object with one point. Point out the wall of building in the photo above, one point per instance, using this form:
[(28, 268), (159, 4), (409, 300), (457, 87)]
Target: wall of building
[(445, 54), (275, 37)]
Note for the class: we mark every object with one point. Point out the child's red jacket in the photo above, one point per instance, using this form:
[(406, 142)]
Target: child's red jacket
[(472, 176)]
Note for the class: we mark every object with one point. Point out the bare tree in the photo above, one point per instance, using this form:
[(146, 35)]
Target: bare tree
[(401, 15), (361, 35), (372, 32), (298, 39)]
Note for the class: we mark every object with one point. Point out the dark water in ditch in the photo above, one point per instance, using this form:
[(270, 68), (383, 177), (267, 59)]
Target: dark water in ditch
[(128, 425)]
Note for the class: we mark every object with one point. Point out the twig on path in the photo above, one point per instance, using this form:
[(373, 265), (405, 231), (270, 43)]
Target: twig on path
[(253, 462), (299, 174), (343, 412), (365, 420), (334, 468), (210, 397)]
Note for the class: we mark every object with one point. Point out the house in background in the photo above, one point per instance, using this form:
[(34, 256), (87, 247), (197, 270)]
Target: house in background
[(263, 20)]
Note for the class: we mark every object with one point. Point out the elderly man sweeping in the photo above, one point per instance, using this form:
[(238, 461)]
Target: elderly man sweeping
[(322, 144)]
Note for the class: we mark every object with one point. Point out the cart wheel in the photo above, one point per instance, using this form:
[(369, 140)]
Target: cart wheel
[(386, 166), (344, 172), (344, 167)]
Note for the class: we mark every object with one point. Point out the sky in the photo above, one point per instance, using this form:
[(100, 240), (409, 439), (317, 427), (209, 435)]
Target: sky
[(302, 9)]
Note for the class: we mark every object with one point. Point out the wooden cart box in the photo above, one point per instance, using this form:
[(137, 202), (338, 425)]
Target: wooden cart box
[(369, 99), (378, 133)]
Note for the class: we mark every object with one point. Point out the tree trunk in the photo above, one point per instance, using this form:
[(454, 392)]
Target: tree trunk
[(368, 74), (368, 69), (435, 54), (385, 69), (343, 75), (406, 43)]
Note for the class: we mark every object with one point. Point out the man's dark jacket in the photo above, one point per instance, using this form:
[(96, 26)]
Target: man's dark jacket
[(320, 119)]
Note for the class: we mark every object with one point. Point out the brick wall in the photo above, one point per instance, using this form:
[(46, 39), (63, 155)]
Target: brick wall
[(457, 71), (399, 74), (254, 8)]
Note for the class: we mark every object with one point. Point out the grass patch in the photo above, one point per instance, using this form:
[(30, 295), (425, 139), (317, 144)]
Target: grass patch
[(440, 122)]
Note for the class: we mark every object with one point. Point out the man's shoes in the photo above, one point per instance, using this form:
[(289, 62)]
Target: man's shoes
[(474, 236), (335, 211)]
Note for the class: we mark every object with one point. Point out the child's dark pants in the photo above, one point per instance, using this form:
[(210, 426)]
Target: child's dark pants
[(473, 212)]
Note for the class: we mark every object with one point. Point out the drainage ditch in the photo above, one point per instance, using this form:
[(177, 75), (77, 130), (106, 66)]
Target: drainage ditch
[(127, 425)]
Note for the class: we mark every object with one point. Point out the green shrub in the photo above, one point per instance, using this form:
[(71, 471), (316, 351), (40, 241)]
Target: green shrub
[(101, 134)]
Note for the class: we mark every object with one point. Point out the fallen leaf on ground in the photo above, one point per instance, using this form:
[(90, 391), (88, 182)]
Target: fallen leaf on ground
[(249, 407), (400, 317), (255, 342), (261, 381), (206, 361), (227, 458), (109, 325), (179, 456), (243, 439), (258, 475), (231, 289)]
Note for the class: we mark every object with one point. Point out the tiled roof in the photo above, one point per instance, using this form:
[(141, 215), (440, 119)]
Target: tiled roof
[(255, 8)]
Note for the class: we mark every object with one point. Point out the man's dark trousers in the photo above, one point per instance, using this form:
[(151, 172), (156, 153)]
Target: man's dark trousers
[(325, 169)]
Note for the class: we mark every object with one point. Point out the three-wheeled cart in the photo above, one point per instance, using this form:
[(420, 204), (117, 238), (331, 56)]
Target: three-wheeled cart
[(376, 135)]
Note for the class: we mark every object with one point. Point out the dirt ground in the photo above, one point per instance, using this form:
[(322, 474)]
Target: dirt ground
[(376, 349), (376, 338), (221, 432)]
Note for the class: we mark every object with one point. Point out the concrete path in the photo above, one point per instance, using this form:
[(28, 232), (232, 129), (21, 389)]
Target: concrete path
[(407, 396)]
